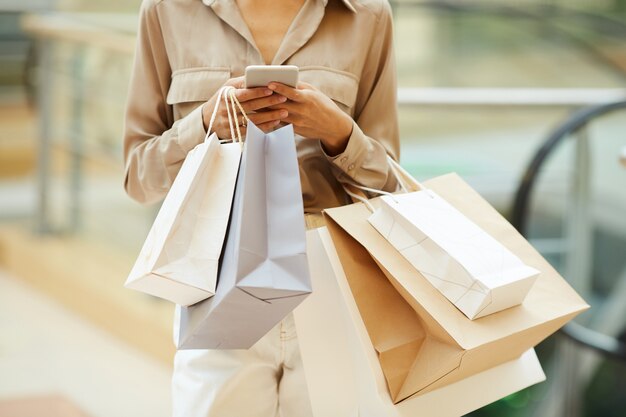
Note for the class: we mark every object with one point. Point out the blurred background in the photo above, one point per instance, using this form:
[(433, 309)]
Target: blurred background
[(526, 100)]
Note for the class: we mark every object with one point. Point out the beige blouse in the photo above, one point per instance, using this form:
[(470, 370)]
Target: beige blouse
[(187, 49)]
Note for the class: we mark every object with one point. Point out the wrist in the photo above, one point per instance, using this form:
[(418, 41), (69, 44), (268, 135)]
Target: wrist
[(337, 143)]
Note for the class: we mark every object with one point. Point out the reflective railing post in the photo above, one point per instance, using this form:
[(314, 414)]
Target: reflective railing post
[(579, 220), (44, 100), (76, 138), (578, 264)]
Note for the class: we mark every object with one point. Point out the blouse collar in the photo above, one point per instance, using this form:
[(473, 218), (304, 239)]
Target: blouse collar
[(347, 3)]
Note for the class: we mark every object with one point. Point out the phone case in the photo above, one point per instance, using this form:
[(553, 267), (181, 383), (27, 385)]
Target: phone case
[(262, 75)]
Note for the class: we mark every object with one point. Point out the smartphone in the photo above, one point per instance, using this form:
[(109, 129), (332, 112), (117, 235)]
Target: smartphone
[(262, 75)]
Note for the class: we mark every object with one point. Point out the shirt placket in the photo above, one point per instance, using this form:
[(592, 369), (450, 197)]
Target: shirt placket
[(303, 27), (228, 12), (301, 30)]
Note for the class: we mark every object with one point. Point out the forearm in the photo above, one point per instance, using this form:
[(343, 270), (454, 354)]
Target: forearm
[(153, 161)]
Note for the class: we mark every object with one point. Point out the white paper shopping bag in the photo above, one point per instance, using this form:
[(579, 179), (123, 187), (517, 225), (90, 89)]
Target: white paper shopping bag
[(264, 272), (343, 372), (468, 266), (180, 257)]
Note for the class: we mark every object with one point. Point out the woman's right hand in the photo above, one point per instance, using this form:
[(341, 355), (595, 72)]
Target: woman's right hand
[(253, 101)]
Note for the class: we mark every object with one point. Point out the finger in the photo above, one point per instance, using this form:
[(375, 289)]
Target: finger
[(267, 116), (247, 94), (284, 90), (263, 102), (291, 119), (290, 106), (269, 126)]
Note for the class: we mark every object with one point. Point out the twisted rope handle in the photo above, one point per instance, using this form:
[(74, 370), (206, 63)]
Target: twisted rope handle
[(405, 180), (231, 102), (232, 118), (234, 102)]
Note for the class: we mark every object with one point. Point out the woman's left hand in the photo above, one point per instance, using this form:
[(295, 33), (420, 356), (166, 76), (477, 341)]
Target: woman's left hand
[(314, 115)]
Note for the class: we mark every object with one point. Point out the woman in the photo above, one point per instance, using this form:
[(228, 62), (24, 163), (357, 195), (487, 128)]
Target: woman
[(344, 116)]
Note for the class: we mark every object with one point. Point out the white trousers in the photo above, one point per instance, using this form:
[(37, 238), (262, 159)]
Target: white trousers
[(266, 380)]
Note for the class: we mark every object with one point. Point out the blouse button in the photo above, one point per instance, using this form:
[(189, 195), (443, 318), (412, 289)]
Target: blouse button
[(344, 159), (350, 167)]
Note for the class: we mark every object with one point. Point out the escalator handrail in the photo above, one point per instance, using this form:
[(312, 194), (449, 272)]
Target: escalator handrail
[(578, 120), (591, 339), (588, 338)]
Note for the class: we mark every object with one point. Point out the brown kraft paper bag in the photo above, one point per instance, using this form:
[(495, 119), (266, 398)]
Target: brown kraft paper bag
[(422, 340)]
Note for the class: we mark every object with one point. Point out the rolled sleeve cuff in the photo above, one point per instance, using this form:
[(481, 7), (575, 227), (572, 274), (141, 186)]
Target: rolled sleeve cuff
[(350, 160), (191, 130)]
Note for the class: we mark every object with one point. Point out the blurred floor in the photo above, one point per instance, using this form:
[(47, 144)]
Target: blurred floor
[(48, 350), (84, 271), (74, 341), (36, 406)]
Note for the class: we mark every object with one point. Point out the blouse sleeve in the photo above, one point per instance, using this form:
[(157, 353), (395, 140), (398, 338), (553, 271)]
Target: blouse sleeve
[(375, 132), (154, 145)]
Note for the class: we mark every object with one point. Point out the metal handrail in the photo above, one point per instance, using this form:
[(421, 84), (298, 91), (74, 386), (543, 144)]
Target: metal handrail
[(572, 125), (601, 343), (508, 97), (583, 336)]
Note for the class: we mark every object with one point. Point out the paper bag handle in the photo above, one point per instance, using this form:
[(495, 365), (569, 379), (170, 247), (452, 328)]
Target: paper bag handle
[(235, 101), (228, 92), (356, 196), (405, 180)]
